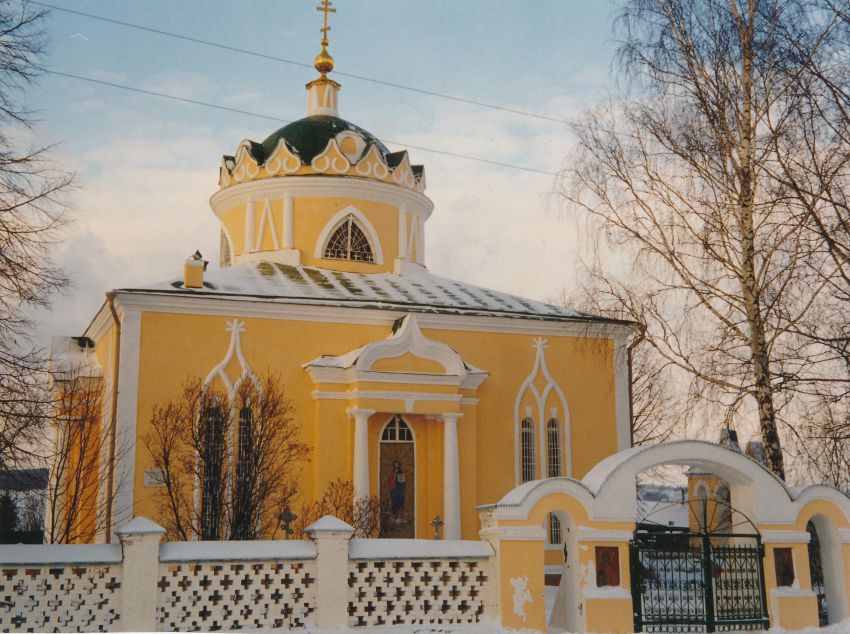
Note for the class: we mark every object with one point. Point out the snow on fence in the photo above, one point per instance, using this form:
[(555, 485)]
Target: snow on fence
[(143, 585)]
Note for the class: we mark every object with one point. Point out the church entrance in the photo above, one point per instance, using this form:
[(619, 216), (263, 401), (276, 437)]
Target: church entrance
[(397, 480), (705, 578)]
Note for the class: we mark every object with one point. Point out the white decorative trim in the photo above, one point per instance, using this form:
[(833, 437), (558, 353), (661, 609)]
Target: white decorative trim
[(844, 535), (306, 310), (540, 399), (266, 222), (246, 167), (234, 327), (588, 534), (282, 160), (250, 229), (312, 187), (402, 232), (514, 533), (403, 173), (288, 221), (365, 225), (553, 570), (356, 365), (128, 394), (409, 338), (372, 165), (389, 396), (784, 537), (331, 160)]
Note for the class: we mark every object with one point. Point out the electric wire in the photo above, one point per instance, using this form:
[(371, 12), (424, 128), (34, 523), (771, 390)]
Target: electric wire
[(206, 104), (236, 49)]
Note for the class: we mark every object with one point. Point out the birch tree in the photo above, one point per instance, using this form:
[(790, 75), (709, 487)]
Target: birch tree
[(682, 178)]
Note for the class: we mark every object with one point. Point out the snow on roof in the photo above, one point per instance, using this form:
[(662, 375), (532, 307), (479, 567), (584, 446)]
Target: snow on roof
[(663, 513), (413, 292)]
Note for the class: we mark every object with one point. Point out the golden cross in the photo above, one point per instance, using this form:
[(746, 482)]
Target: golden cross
[(326, 7)]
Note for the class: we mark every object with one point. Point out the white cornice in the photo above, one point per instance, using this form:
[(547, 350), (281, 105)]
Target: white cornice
[(322, 187), (587, 534), (204, 304), (514, 533), (785, 537)]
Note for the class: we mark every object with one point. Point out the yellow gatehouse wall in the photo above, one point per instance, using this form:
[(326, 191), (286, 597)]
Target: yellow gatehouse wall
[(174, 347)]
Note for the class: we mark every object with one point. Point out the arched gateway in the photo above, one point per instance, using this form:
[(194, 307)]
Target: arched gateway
[(742, 562)]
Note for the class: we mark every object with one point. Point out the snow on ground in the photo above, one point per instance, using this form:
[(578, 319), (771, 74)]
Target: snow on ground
[(483, 628)]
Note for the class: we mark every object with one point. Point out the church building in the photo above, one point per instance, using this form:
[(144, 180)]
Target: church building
[(395, 375)]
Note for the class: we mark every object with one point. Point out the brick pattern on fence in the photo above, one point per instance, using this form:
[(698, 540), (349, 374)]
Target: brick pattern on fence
[(213, 596), (415, 592), (59, 598)]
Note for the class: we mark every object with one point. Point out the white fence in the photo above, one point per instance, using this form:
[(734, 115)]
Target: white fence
[(143, 585)]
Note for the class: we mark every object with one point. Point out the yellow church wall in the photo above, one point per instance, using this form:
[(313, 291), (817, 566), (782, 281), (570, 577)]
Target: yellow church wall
[(175, 347), (310, 216)]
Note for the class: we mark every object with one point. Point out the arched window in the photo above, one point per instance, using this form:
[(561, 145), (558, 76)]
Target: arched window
[(397, 431), (553, 447), (527, 446), (348, 242), (554, 530), (243, 509), (212, 485)]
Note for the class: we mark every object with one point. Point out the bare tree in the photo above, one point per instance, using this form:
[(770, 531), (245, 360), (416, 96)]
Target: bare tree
[(81, 459), (32, 212), (338, 500), (228, 463), (682, 179), (657, 411)]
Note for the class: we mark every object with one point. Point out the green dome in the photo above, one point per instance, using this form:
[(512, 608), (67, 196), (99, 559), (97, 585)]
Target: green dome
[(309, 136)]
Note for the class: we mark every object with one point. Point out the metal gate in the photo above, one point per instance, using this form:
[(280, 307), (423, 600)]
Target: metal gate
[(698, 581)]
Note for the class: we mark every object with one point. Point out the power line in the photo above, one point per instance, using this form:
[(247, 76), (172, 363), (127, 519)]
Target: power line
[(206, 104), (235, 49)]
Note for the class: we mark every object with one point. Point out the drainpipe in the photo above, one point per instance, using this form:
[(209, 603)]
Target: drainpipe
[(113, 424)]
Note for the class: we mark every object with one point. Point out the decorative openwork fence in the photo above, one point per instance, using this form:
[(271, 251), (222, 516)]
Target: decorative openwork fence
[(60, 588), (209, 586)]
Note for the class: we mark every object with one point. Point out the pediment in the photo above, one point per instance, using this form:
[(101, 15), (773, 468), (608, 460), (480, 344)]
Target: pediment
[(406, 351)]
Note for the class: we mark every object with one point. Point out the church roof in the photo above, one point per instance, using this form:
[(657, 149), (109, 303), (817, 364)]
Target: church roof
[(308, 137), (418, 292)]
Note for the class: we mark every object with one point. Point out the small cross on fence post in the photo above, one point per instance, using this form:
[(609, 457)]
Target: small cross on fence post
[(286, 518), (437, 523)]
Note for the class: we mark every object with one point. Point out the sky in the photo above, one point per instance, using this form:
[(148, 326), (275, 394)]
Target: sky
[(146, 166)]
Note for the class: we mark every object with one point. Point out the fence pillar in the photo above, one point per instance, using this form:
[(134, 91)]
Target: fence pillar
[(140, 539), (517, 574), (331, 536)]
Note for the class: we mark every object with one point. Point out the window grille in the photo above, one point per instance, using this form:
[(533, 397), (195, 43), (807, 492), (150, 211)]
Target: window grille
[(527, 445), (348, 242), (554, 530), (553, 447), (397, 431), (212, 433), (243, 513), (246, 445)]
